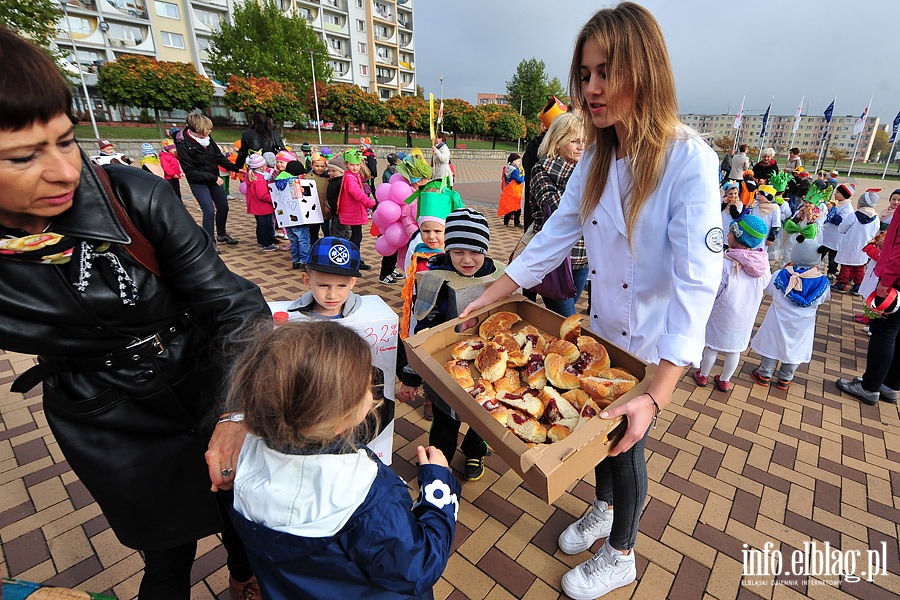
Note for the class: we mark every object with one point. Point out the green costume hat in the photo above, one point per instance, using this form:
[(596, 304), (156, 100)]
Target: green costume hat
[(779, 181), (414, 168), (352, 156), (436, 202), (816, 196)]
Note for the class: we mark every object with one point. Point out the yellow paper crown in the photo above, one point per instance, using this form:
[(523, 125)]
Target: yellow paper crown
[(551, 110)]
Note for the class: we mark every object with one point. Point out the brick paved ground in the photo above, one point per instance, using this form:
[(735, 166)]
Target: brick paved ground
[(747, 467)]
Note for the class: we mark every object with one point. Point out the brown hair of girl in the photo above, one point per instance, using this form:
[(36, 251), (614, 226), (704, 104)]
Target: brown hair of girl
[(302, 382)]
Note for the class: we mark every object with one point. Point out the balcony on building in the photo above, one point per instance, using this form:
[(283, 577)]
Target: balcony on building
[(335, 23), (384, 57), (340, 5), (222, 4), (383, 11), (404, 18), (384, 76), (129, 8), (81, 6), (384, 33), (406, 40)]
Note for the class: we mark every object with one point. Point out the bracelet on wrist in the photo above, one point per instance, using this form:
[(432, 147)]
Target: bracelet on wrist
[(235, 417), (655, 405)]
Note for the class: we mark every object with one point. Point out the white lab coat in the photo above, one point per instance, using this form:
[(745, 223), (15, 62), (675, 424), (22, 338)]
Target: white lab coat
[(786, 333), (653, 302), (854, 237)]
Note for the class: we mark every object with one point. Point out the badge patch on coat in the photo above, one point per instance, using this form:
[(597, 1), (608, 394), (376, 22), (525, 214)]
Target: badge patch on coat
[(715, 239)]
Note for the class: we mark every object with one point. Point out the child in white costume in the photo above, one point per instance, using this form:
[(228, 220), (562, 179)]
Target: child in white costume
[(786, 333), (856, 231), (839, 209), (807, 221), (745, 273), (770, 213)]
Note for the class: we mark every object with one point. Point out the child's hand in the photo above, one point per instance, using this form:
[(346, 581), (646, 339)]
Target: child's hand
[(431, 456), (406, 393), (219, 181)]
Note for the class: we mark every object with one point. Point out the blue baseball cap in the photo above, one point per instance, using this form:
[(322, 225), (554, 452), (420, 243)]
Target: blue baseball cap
[(334, 255)]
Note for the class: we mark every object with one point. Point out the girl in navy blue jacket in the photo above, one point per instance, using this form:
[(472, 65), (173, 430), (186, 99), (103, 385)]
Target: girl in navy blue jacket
[(320, 515)]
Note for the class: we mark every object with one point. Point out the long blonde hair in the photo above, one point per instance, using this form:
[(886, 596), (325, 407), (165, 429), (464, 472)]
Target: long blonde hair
[(565, 128), (637, 66)]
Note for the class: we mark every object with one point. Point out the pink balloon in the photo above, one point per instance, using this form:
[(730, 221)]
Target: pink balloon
[(397, 177), (385, 214), (384, 247), (395, 235), (243, 187), (400, 191), (383, 192)]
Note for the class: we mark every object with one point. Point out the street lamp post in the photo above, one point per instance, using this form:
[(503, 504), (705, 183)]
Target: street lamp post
[(521, 98), (441, 109), (87, 97), (312, 61)]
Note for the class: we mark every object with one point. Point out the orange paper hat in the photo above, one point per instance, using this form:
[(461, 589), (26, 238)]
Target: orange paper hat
[(551, 110)]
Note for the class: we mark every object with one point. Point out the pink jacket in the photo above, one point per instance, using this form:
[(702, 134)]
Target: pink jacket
[(171, 166), (259, 200), (353, 201)]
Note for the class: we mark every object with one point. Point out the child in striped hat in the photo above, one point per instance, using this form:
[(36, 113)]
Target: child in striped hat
[(466, 239), (150, 161)]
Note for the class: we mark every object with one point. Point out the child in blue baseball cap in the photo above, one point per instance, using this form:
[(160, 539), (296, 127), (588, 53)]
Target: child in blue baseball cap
[(332, 268), (745, 275)]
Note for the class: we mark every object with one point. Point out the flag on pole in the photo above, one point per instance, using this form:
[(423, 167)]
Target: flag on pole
[(739, 117), (762, 132), (896, 126), (828, 112), (861, 123), (798, 115), (431, 115), (440, 118)]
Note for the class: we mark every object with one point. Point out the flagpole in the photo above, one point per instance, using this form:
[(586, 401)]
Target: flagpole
[(859, 135), (796, 122), (820, 161), (762, 132), (740, 115), (888, 162)]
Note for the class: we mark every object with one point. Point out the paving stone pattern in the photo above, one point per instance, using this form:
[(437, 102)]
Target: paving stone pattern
[(749, 467)]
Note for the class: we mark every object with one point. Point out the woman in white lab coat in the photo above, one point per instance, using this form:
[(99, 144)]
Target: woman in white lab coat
[(646, 200)]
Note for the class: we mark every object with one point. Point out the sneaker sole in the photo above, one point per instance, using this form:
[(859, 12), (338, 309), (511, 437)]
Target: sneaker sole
[(576, 595)]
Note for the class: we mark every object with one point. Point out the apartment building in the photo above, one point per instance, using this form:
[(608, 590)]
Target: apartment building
[(780, 134), (493, 99), (370, 42)]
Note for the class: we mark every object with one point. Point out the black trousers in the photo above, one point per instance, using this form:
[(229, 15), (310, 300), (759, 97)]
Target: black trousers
[(445, 433), (882, 358), (167, 573)]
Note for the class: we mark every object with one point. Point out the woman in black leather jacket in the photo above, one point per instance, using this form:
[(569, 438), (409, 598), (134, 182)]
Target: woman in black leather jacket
[(200, 159), (126, 304)]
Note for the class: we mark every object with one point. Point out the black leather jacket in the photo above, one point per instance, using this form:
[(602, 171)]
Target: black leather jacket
[(200, 165), (135, 436)]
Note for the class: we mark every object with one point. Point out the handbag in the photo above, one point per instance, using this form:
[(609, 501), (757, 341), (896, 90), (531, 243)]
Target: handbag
[(558, 284)]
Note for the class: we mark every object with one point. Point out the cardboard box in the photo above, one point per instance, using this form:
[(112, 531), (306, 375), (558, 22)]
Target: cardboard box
[(547, 469), (296, 202), (461, 291), (378, 325)]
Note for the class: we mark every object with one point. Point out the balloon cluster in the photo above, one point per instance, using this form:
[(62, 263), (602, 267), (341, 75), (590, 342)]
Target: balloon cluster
[(394, 217)]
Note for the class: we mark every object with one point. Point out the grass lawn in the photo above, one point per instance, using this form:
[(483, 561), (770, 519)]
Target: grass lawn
[(291, 136)]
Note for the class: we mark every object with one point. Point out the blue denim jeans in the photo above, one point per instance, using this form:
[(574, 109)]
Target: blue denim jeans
[(566, 307), (213, 205), (299, 236), (621, 482)]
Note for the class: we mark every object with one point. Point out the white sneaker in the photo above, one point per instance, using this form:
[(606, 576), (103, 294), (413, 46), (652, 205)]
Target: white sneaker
[(608, 570), (596, 524)]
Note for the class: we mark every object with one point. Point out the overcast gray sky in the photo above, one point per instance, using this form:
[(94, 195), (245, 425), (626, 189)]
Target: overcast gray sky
[(720, 50)]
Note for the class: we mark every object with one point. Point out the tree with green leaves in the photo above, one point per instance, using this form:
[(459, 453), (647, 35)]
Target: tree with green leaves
[(460, 117), (345, 105), (144, 82), (502, 122), (264, 42), (529, 88), (409, 113), (277, 100), (33, 19), (880, 145)]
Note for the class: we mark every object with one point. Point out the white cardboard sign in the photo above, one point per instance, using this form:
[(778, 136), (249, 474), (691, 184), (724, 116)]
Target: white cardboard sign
[(296, 202)]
